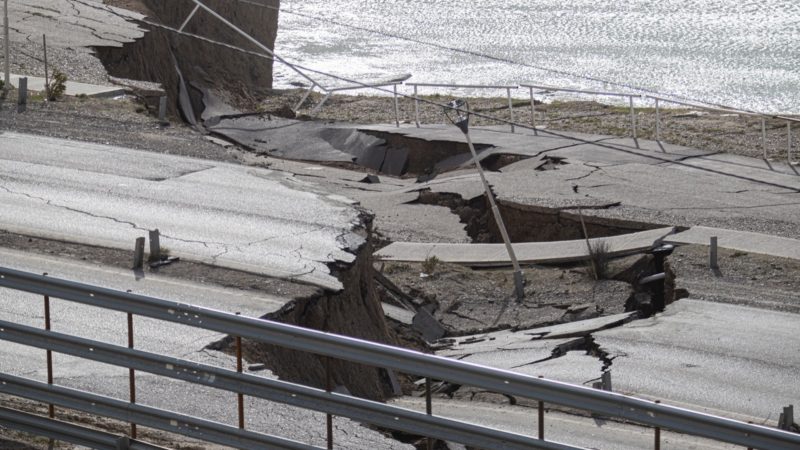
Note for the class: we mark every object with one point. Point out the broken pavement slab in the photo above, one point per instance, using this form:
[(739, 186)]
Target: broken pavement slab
[(73, 23), (739, 240), (255, 220), (716, 357), (489, 255)]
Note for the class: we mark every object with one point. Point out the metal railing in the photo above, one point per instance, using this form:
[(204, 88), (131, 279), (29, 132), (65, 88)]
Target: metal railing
[(307, 73), (333, 346), (507, 88)]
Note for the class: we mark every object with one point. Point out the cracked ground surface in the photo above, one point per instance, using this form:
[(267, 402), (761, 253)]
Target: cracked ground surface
[(243, 218)]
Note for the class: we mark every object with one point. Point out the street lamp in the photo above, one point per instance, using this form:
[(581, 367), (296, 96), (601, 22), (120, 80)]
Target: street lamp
[(461, 120)]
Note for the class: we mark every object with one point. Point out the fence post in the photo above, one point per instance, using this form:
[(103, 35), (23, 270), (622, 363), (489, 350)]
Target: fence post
[(416, 106), (533, 113), (7, 63), (789, 140), (22, 95), (396, 108), (658, 122), (764, 136), (46, 70), (510, 109), (633, 123)]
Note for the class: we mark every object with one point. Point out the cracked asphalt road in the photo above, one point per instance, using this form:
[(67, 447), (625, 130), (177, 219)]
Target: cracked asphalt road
[(250, 219), (161, 337)]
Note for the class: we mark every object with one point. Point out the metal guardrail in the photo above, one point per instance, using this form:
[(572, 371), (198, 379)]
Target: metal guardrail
[(68, 432), (274, 390), (507, 88), (598, 402)]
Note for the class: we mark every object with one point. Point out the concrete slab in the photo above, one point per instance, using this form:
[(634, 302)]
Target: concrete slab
[(74, 88), (488, 255), (777, 175), (579, 328), (740, 240)]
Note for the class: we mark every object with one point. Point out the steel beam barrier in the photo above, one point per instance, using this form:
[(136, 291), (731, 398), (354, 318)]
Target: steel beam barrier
[(67, 432), (379, 355), (172, 422), (366, 411)]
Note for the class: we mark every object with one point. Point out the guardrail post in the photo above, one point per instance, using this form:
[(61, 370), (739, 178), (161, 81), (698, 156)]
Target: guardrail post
[(131, 372), (328, 389), (533, 113), (428, 406), (510, 109), (764, 136), (657, 438), (51, 409), (396, 108), (416, 106), (239, 395), (633, 123), (541, 417)]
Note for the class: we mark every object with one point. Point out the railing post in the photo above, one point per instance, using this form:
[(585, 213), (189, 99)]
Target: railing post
[(46, 69), (416, 106), (657, 437), (533, 113), (239, 395), (541, 417), (428, 407), (328, 388), (764, 136), (396, 108), (510, 109), (658, 122), (51, 410), (633, 123), (789, 141), (131, 372)]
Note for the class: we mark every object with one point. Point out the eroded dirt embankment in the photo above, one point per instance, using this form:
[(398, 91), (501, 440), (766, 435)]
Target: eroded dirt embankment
[(161, 54), (355, 311)]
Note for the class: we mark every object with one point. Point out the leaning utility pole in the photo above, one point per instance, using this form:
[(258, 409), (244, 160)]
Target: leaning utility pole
[(7, 78), (461, 121)]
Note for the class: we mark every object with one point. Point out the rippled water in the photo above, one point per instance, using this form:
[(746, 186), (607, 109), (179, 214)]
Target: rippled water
[(737, 53)]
